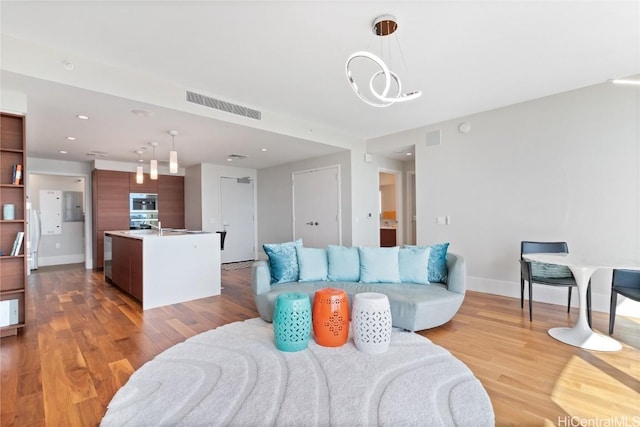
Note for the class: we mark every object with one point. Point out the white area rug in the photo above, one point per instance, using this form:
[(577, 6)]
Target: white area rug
[(234, 375)]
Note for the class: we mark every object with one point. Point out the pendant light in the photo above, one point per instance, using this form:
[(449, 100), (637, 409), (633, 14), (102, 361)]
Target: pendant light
[(139, 171), (153, 172), (173, 154), (391, 92)]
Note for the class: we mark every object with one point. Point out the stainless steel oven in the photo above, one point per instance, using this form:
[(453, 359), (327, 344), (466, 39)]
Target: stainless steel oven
[(143, 202), (143, 210)]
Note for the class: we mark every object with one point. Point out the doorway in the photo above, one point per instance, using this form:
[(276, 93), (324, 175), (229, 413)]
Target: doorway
[(316, 207), (237, 214), (56, 223), (390, 208)]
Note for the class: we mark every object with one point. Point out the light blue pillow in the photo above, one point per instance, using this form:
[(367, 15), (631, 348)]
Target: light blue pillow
[(550, 271), (413, 264), (283, 261), (344, 264), (312, 263), (437, 269), (379, 265)]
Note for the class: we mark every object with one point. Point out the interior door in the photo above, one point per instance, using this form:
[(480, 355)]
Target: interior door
[(316, 207), (236, 204)]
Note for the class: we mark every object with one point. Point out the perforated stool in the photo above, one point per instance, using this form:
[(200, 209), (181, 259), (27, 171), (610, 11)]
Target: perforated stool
[(331, 317), (292, 321), (371, 322)]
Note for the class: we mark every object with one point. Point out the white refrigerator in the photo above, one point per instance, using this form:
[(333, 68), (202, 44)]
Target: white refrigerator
[(35, 233)]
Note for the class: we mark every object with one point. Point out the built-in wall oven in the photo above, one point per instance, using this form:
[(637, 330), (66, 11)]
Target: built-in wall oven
[(143, 210)]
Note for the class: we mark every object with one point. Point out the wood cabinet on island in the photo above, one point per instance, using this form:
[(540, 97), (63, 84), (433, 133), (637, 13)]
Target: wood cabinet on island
[(163, 268)]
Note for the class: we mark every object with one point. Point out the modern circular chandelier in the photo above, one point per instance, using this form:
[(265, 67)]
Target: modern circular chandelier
[(384, 25)]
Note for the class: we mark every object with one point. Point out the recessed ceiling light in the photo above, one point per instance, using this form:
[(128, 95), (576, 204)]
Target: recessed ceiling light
[(229, 159), (82, 117), (408, 154), (263, 149), (625, 82), (62, 152), (71, 138)]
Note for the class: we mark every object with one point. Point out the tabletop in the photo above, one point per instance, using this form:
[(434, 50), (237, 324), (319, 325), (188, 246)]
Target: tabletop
[(577, 260)]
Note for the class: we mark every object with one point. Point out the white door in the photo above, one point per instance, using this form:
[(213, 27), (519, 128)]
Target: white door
[(316, 207), (236, 206)]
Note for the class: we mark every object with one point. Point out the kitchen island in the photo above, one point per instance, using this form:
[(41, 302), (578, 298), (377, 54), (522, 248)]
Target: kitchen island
[(164, 268)]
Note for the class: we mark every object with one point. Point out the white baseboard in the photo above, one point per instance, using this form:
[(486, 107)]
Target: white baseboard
[(60, 260), (551, 295)]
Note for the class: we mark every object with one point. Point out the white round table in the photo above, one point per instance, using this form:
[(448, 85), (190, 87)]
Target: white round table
[(581, 335)]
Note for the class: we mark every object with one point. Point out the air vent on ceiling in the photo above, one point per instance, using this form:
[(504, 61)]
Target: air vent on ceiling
[(218, 104), (97, 154), (237, 156)]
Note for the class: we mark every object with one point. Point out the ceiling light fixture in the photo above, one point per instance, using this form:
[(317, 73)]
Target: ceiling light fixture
[(139, 170), (71, 138), (625, 82), (153, 171), (82, 117), (383, 26), (173, 154)]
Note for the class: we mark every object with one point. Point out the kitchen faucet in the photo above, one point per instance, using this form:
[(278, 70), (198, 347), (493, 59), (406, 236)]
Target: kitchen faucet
[(159, 227)]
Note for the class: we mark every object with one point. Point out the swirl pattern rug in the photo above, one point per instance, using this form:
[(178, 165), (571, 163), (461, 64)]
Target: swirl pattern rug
[(234, 375)]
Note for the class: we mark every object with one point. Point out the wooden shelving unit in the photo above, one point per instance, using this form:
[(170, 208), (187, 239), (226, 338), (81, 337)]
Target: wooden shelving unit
[(13, 268)]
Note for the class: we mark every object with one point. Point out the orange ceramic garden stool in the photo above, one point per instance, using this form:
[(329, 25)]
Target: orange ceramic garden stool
[(331, 317)]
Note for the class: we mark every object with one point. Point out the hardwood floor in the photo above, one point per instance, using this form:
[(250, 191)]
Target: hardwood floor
[(84, 338)]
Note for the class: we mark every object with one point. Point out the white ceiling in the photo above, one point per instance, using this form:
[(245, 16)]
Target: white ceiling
[(287, 60)]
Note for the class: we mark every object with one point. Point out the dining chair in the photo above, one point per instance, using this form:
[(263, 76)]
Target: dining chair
[(547, 274), (624, 282)]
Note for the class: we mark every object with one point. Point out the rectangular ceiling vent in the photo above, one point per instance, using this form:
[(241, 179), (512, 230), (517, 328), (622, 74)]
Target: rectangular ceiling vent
[(218, 104)]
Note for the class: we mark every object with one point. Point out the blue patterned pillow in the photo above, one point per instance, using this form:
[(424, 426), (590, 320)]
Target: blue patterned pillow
[(413, 263), (379, 265), (437, 268), (344, 264), (283, 261)]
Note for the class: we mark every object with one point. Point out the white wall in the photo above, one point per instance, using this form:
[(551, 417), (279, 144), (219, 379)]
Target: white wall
[(275, 199), (565, 167), (67, 247), (365, 221)]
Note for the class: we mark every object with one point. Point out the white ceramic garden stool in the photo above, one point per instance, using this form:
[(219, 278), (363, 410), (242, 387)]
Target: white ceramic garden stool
[(371, 322)]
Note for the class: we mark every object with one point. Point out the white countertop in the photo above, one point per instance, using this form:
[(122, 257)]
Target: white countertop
[(144, 234)]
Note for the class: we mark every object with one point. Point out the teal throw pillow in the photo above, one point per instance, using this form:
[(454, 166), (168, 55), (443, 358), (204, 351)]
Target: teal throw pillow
[(379, 265), (283, 261), (312, 263), (344, 264), (413, 264), (437, 270), (550, 271)]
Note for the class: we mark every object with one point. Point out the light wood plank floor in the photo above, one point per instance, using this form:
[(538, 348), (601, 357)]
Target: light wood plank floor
[(84, 339)]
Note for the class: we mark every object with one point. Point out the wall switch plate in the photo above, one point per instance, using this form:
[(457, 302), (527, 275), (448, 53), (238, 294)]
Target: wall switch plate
[(441, 220)]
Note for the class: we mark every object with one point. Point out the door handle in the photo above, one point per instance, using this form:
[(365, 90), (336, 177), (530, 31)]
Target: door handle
[(309, 223)]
